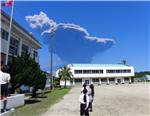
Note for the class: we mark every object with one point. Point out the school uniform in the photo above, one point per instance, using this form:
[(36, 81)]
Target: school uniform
[(83, 89), (4, 79), (83, 105), (91, 98)]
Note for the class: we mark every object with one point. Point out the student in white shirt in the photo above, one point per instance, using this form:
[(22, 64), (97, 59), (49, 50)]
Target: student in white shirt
[(84, 103), (91, 97), (4, 80)]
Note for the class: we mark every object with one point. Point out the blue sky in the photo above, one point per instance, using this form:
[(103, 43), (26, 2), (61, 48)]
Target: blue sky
[(126, 23)]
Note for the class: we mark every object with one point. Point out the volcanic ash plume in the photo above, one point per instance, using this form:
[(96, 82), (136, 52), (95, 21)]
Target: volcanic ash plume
[(72, 43)]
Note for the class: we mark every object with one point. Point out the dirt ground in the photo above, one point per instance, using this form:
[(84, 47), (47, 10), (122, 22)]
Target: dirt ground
[(110, 100)]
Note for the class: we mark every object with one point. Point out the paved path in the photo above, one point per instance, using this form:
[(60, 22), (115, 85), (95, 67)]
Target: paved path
[(110, 100)]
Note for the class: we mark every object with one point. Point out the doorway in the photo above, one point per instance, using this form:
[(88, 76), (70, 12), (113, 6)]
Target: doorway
[(87, 82), (118, 80)]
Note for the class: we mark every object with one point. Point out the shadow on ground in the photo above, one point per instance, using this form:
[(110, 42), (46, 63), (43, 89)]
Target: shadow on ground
[(32, 101)]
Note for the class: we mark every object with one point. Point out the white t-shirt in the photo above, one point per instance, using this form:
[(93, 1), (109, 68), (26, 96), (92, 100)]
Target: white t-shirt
[(90, 95), (81, 99), (4, 77)]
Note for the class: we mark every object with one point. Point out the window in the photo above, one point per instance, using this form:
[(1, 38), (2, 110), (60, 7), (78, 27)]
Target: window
[(110, 71), (78, 71), (75, 71), (78, 80), (129, 71), (111, 79), (14, 45), (103, 79), (86, 71), (35, 55), (94, 71), (119, 71), (100, 71), (95, 80), (126, 79), (4, 34), (24, 48)]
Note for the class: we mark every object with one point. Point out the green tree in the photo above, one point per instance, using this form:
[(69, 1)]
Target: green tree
[(141, 74), (38, 82), (65, 74), (56, 82), (25, 71)]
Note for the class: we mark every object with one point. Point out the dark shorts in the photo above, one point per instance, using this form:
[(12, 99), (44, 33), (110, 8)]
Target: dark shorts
[(4, 90), (82, 111)]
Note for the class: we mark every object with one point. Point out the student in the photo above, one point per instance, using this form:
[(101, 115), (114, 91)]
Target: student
[(4, 80), (84, 103), (84, 87), (91, 97)]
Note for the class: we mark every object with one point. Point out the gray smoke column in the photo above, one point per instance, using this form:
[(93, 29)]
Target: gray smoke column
[(72, 43)]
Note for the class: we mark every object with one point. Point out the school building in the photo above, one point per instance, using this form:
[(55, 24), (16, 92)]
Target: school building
[(99, 74), (21, 41)]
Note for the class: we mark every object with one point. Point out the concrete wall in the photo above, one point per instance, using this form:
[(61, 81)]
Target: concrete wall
[(14, 101), (62, 83)]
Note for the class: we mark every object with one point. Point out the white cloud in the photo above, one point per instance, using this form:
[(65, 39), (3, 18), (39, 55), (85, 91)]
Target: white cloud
[(41, 20), (103, 40), (74, 26)]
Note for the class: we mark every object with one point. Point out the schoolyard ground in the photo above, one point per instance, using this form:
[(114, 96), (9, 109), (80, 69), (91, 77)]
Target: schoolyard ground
[(110, 100)]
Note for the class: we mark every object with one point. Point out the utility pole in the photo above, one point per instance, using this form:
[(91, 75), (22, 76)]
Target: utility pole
[(51, 56)]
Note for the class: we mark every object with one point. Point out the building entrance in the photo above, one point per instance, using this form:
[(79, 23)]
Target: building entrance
[(87, 82), (119, 80)]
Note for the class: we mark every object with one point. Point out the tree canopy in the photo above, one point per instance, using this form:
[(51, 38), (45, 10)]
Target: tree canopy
[(25, 71), (141, 74)]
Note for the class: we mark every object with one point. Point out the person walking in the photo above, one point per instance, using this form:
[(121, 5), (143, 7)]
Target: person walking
[(4, 80), (84, 103), (91, 97)]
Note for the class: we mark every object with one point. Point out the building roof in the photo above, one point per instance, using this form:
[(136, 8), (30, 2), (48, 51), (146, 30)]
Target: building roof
[(18, 25), (99, 65)]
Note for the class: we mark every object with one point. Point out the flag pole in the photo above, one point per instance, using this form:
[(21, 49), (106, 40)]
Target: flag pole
[(9, 33)]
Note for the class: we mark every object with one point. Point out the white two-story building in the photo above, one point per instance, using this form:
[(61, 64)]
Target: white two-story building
[(21, 41), (99, 74)]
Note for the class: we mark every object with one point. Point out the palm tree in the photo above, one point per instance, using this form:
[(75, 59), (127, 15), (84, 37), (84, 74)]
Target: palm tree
[(65, 74)]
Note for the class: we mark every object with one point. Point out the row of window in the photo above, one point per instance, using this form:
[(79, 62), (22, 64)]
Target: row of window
[(14, 45), (88, 71), (119, 71), (101, 71)]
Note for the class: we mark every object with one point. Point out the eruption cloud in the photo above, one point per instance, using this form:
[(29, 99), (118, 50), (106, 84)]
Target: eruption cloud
[(72, 43)]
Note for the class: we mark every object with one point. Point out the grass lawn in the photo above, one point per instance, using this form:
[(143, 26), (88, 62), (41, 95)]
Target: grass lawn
[(35, 107)]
